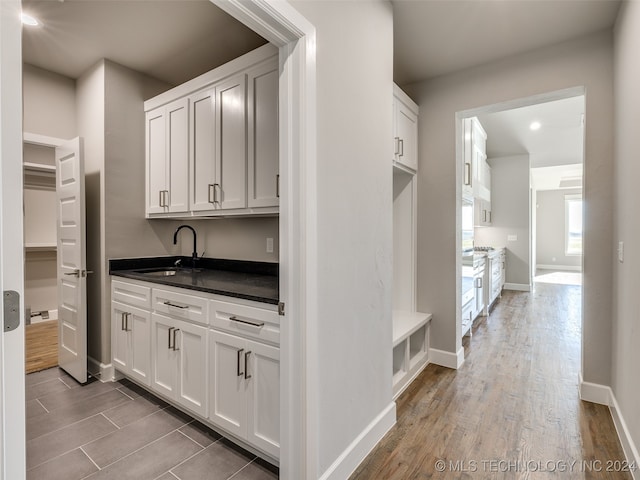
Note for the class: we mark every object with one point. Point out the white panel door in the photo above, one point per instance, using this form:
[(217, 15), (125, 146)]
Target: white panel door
[(164, 358), (227, 391), (72, 270), (131, 341), (120, 339), (178, 155), (231, 142), (263, 397), (191, 342), (263, 177), (203, 151)]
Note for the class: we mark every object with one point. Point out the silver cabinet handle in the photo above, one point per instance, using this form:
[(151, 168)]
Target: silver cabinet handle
[(122, 326), (233, 318), (75, 273), (396, 143), (175, 330), (246, 365), (216, 186), (169, 337), (239, 373), (126, 321), (278, 185), (169, 304), (160, 197), (401, 148), (467, 174), (211, 194)]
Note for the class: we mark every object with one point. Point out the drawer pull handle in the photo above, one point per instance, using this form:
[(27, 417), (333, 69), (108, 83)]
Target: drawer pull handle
[(233, 318), (246, 365), (169, 304), (239, 373)]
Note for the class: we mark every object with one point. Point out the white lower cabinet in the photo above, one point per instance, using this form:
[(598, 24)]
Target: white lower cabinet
[(131, 328), (215, 356), (244, 392), (179, 357)]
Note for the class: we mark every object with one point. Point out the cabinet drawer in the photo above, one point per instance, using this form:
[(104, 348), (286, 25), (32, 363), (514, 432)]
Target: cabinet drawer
[(131, 294), (251, 322), (180, 305)]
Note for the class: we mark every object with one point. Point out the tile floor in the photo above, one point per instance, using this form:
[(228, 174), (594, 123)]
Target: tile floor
[(119, 431)]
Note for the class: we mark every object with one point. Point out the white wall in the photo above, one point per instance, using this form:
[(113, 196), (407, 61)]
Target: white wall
[(626, 283), (354, 182), (510, 213), (48, 103), (90, 116), (583, 62), (551, 229)]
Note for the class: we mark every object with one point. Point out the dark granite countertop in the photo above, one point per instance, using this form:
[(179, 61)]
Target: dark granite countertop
[(257, 281)]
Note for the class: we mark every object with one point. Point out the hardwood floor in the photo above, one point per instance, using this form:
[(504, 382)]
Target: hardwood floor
[(511, 411), (41, 346)]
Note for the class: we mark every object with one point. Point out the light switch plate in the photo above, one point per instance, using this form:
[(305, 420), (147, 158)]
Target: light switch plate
[(269, 245), (621, 252)]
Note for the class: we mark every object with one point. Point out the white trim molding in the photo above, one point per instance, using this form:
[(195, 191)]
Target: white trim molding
[(603, 395), (362, 445), (568, 268), (520, 287), (447, 359), (103, 372)]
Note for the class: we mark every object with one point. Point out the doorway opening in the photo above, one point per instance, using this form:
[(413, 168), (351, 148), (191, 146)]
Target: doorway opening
[(522, 165)]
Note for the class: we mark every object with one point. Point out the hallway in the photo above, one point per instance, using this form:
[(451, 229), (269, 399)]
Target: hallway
[(512, 410)]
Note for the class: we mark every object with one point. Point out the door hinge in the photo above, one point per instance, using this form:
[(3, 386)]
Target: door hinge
[(281, 308), (11, 302)]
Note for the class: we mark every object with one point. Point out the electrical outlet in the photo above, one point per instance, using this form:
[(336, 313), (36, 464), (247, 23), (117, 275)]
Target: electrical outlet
[(269, 245), (512, 238)]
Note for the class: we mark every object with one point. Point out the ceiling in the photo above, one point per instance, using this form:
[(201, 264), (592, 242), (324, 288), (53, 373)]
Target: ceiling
[(436, 37), (171, 40)]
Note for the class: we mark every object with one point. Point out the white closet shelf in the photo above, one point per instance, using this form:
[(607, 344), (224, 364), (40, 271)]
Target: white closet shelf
[(39, 167), (405, 323), (40, 247)]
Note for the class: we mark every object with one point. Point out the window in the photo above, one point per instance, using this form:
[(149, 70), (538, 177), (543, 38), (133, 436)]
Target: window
[(573, 224)]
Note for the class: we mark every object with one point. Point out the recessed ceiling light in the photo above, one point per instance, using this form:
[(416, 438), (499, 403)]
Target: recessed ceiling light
[(29, 20), (535, 126)]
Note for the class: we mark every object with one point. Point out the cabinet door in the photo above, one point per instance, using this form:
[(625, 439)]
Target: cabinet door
[(164, 371), (138, 322), (263, 397), (191, 343), (203, 151), (263, 161), (227, 392), (120, 339), (231, 143), (467, 158), (156, 160), (407, 132), (178, 155)]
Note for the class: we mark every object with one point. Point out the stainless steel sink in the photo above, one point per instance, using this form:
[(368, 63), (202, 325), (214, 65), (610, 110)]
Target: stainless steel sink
[(168, 271)]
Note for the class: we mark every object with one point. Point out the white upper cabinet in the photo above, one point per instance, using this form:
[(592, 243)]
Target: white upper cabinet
[(263, 175), (168, 158), (405, 134), (212, 142)]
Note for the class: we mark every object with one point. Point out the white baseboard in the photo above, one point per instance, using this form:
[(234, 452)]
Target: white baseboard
[(357, 451), (104, 373), (520, 287), (447, 359), (628, 445), (603, 395), (568, 268)]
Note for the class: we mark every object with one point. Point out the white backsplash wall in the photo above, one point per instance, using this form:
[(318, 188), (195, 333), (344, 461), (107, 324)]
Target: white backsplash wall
[(229, 238)]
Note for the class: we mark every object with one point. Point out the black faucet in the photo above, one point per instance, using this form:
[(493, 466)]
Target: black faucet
[(194, 255)]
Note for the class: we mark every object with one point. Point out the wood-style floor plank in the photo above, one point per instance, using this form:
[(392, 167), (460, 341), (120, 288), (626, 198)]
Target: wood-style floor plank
[(41, 346), (511, 411)]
